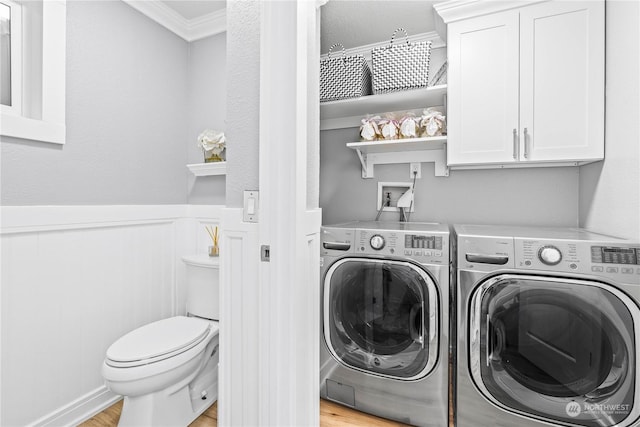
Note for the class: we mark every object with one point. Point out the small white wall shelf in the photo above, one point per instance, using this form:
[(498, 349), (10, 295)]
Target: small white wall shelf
[(346, 113), (414, 150), (208, 169), (202, 261)]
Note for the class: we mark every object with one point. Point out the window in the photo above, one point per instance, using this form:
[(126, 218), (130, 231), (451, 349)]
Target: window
[(10, 57), (33, 35)]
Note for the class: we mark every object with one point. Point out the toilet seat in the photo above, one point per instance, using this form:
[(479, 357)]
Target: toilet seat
[(157, 341)]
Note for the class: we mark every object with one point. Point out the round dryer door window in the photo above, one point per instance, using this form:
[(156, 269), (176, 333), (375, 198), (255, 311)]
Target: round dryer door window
[(381, 316), (562, 350)]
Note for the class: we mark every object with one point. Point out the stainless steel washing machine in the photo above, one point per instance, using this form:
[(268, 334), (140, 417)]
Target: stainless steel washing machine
[(548, 328), (384, 343)]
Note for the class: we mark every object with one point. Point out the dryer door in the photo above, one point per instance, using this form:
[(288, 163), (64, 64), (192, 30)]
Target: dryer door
[(381, 316), (562, 350)]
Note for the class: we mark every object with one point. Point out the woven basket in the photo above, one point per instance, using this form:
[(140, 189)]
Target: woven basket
[(401, 66), (344, 76)]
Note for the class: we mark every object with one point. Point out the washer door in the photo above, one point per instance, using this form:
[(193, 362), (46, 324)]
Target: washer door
[(562, 350), (381, 316)]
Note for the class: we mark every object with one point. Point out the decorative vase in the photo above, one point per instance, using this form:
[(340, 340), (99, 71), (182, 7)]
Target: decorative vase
[(210, 157), (214, 250)]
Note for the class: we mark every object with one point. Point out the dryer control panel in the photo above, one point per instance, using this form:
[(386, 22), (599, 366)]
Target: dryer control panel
[(621, 263)]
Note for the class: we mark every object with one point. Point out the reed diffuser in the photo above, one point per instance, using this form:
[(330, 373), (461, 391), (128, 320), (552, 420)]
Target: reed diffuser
[(214, 249)]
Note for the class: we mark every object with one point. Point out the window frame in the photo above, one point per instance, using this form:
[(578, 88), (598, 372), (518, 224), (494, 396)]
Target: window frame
[(16, 58), (50, 126)]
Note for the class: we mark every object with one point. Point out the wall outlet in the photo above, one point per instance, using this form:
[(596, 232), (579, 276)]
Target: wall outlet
[(389, 193), (417, 168)]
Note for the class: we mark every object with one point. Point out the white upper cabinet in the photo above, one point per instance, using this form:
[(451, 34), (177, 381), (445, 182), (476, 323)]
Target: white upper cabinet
[(526, 86), (483, 89), (562, 81)]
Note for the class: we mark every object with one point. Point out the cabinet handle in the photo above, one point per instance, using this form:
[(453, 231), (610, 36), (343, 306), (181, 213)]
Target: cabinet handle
[(526, 143), (515, 144)]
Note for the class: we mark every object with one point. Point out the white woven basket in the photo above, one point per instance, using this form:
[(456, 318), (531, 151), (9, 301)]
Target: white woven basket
[(344, 76), (401, 66)]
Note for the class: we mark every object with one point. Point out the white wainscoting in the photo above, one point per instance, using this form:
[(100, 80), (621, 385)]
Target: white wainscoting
[(74, 279)]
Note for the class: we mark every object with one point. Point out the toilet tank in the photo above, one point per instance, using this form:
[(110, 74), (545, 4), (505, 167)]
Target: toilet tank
[(203, 286)]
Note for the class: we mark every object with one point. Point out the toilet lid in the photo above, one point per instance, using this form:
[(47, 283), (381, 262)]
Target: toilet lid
[(162, 338)]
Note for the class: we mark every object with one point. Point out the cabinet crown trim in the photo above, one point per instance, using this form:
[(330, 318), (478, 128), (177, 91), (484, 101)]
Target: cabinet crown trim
[(457, 10)]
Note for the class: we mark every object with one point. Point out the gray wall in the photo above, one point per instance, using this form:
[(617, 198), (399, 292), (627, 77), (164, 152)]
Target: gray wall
[(207, 109), (610, 190), (603, 196), (362, 22), (243, 95), (531, 196), (126, 114)]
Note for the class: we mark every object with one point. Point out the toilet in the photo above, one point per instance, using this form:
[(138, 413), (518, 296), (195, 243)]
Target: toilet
[(167, 370)]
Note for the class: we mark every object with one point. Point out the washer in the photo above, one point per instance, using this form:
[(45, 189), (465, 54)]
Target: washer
[(384, 343), (548, 328)]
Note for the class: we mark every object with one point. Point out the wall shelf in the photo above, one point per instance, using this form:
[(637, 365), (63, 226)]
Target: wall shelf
[(346, 113), (414, 150), (202, 260), (208, 169), (395, 145)]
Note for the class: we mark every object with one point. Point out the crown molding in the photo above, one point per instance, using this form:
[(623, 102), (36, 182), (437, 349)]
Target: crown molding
[(207, 25), (456, 10), (436, 42), (188, 29)]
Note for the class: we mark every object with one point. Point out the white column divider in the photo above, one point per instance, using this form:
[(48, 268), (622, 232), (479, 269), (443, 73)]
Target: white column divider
[(240, 328), (288, 37)]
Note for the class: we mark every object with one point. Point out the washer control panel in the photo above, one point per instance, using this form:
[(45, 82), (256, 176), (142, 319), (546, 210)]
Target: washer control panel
[(377, 242), (423, 248)]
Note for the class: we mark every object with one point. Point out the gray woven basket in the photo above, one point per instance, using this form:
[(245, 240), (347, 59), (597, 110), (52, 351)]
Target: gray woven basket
[(402, 66), (344, 76)]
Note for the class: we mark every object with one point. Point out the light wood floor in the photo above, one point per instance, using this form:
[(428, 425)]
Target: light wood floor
[(331, 415)]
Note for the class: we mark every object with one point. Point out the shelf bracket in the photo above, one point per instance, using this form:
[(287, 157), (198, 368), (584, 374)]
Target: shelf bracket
[(367, 167), (438, 157)]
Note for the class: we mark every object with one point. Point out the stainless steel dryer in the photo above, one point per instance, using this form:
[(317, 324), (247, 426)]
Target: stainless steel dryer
[(548, 328), (384, 344)]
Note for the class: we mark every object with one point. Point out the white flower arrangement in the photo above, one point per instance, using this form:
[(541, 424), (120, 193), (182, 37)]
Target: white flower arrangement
[(212, 141)]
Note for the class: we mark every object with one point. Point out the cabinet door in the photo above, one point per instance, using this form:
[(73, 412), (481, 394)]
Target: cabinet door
[(562, 81), (483, 89)]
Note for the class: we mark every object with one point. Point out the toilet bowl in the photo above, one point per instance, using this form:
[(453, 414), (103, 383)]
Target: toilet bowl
[(167, 370)]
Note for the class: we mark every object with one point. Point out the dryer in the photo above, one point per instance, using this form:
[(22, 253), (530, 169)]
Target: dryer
[(385, 319), (548, 328)]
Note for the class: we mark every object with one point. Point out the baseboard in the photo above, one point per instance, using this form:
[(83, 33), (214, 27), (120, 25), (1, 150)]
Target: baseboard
[(79, 410)]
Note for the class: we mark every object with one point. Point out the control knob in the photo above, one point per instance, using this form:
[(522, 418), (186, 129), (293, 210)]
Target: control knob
[(377, 242), (550, 255)]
